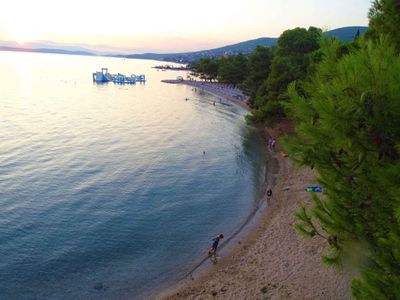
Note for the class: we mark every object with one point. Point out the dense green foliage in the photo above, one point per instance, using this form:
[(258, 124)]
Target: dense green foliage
[(206, 68), (348, 129), (291, 61), (258, 66), (384, 17), (232, 69)]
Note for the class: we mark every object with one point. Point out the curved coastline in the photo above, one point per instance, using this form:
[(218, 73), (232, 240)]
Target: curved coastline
[(268, 260)]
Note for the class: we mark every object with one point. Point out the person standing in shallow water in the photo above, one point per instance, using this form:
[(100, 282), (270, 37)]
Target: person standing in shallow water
[(213, 250), (269, 194)]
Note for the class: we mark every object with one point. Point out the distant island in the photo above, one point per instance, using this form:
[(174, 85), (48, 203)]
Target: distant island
[(45, 50), (344, 34)]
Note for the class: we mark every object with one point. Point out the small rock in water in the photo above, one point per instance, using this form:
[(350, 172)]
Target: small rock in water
[(98, 286)]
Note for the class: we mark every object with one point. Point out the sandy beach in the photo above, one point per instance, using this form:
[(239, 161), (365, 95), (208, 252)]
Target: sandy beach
[(221, 91), (272, 261)]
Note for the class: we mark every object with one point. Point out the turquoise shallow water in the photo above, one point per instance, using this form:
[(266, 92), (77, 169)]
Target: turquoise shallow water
[(104, 189)]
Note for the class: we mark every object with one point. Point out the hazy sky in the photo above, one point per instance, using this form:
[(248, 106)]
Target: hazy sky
[(170, 25)]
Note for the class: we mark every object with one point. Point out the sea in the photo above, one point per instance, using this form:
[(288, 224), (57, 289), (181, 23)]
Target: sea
[(112, 191)]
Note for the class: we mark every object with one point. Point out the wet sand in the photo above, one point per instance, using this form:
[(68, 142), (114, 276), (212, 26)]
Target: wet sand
[(272, 261)]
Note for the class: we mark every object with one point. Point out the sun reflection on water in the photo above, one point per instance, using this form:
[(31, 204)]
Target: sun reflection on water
[(23, 71)]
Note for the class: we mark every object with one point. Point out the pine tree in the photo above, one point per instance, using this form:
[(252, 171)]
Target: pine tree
[(384, 18), (291, 61), (348, 129), (357, 35), (258, 65)]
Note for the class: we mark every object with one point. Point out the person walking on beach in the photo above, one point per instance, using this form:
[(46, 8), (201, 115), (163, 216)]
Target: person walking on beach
[(273, 145), (213, 250), (269, 142)]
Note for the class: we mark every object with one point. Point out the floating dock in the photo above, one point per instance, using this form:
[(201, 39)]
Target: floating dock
[(103, 76)]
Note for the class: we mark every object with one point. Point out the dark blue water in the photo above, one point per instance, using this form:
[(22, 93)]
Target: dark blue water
[(104, 190)]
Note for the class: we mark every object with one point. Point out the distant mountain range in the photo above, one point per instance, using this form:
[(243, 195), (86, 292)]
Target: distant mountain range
[(243, 47), (47, 47), (344, 34)]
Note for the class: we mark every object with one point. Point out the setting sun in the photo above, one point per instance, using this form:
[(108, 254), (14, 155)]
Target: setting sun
[(20, 32)]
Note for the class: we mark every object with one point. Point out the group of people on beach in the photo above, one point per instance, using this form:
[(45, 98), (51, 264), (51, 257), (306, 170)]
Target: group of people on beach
[(221, 89), (271, 143)]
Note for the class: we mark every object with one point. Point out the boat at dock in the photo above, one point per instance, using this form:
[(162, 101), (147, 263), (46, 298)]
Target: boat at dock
[(103, 77)]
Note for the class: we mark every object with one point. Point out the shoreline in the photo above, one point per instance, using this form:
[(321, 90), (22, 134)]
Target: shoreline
[(270, 260)]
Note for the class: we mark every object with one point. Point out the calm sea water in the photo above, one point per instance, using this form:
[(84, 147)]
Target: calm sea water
[(104, 189)]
